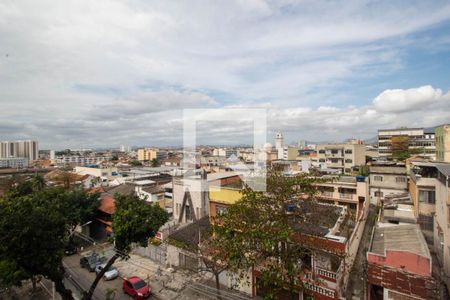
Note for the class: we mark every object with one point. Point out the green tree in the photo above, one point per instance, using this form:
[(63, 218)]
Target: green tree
[(214, 260), (38, 182), (35, 224), (256, 231), (154, 163), (135, 163), (32, 234), (134, 221)]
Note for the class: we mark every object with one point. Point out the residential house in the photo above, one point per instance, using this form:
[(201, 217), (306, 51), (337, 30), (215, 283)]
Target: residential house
[(387, 178), (399, 261), (190, 194), (346, 190)]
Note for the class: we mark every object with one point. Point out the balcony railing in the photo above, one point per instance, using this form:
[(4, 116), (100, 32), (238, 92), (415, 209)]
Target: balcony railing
[(319, 289), (326, 273), (327, 194), (346, 196)]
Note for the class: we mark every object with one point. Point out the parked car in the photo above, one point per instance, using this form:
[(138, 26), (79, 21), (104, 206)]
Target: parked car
[(70, 249), (111, 274), (90, 262), (136, 288)]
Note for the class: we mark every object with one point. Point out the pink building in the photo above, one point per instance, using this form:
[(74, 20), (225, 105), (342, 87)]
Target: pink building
[(399, 264)]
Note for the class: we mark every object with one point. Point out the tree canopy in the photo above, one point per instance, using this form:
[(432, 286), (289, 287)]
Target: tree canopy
[(134, 221), (256, 231), (35, 221)]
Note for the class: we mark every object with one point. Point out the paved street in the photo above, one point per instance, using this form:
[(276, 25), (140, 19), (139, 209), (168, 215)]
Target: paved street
[(84, 279), (166, 285)]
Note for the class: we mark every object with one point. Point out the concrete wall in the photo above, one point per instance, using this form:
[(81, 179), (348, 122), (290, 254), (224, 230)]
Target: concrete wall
[(441, 234), (402, 260), (443, 143), (199, 196)]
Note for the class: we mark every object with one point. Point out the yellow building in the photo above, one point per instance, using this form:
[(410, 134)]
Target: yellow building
[(221, 197), (149, 154)]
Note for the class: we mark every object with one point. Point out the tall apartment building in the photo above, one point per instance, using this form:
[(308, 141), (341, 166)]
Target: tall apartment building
[(150, 154), (402, 139), (343, 157), (442, 134), (26, 149)]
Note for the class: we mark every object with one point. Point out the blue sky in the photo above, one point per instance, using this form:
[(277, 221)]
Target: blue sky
[(109, 72)]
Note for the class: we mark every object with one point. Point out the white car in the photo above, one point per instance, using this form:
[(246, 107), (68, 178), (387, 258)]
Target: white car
[(111, 274)]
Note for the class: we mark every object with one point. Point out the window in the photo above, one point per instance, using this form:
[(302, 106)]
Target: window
[(348, 151), (220, 210), (334, 151), (322, 151), (426, 222), (400, 179), (378, 194), (428, 197), (321, 160), (348, 161), (378, 178)]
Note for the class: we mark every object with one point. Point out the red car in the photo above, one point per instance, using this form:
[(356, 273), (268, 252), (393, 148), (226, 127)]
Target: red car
[(136, 287)]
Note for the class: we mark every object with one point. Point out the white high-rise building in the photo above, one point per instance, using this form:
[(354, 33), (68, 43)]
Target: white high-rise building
[(279, 145), (52, 154), (27, 149)]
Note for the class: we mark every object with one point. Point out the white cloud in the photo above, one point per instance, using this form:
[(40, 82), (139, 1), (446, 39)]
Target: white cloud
[(400, 100), (109, 71)]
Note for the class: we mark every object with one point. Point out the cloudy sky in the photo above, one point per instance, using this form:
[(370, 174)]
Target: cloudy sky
[(104, 73)]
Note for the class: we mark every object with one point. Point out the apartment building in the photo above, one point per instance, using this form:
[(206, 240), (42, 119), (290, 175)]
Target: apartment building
[(430, 190), (332, 246), (14, 162), (442, 134), (399, 264), (190, 194), (422, 188), (28, 149), (148, 154), (387, 178), (348, 191), (442, 222), (342, 157), (81, 160), (392, 141)]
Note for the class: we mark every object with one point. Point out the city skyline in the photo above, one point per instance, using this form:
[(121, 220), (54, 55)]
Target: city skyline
[(108, 73)]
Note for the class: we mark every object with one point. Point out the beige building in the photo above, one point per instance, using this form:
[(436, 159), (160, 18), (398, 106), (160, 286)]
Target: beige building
[(150, 154), (422, 188), (430, 190), (27, 149), (346, 190), (387, 179), (343, 157), (442, 134), (416, 139)]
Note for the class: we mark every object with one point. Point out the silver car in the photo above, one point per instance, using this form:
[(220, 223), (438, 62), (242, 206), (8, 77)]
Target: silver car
[(110, 274)]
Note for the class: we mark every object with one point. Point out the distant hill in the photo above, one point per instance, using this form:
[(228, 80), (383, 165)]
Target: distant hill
[(371, 141)]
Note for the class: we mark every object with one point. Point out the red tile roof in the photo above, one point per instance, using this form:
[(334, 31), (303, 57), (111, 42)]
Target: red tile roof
[(107, 204)]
